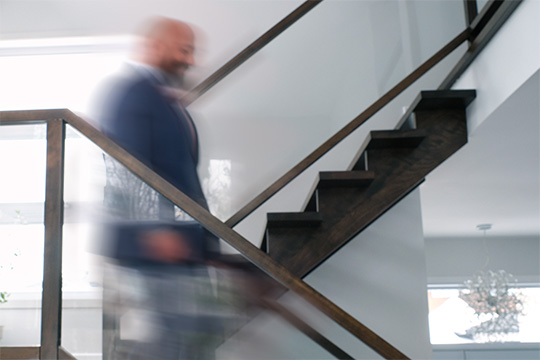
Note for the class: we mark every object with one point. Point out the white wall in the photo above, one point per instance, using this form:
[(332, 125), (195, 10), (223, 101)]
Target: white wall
[(454, 260), (379, 278)]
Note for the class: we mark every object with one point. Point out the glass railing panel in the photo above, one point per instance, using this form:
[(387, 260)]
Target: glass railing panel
[(119, 286), (431, 25), (22, 196), (82, 291), (309, 82), (380, 271), (134, 272), (269, 336), (123, 296)]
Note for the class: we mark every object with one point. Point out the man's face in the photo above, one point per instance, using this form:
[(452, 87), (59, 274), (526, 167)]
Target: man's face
[(177, 48)]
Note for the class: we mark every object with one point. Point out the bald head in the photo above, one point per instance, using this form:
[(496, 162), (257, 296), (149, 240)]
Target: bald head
[(168, 45)]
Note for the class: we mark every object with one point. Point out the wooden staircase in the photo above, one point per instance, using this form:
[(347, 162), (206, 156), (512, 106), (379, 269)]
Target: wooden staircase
[(389, 165)]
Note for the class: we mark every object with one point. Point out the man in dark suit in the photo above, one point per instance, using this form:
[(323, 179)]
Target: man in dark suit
[(141, 116)]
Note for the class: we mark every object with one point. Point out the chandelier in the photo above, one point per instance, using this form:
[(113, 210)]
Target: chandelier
[(496, 305)]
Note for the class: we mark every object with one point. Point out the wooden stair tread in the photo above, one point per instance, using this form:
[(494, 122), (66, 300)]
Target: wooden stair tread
[(328, 179), (444, 99), (436, 99), (293, 219), (395, 139)]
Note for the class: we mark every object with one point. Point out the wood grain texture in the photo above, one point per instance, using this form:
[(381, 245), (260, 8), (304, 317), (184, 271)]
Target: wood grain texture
[(51, 304), (27, 117)]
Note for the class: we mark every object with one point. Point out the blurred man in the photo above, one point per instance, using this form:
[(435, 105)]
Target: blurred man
[(170, 289), (142, 117)]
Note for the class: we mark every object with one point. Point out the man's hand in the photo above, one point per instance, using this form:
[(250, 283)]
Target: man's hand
[(166, 245)]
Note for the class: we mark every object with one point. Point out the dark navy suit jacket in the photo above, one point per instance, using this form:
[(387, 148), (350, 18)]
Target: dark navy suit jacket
[(139, 117), (157, 131)]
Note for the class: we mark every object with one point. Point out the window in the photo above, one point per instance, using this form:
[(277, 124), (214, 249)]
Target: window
[(450, 317)]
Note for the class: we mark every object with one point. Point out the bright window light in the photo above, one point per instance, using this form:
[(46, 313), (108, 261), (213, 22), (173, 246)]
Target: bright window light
[(450, 317)]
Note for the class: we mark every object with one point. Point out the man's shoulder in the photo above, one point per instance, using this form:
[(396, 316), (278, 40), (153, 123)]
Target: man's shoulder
[(133, 90), (124, 82)]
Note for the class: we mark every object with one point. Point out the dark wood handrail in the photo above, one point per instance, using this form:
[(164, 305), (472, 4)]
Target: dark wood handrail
[(249, 51), (484, 16), (347, 130), (484, 27), (213, 224), (51, 302)]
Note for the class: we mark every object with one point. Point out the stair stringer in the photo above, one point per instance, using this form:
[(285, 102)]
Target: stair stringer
[(399, 160)]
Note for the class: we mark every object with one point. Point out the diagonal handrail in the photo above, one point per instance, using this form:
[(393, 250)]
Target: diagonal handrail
[(213, 224), (249, 51), (483, 28), (347, 130)]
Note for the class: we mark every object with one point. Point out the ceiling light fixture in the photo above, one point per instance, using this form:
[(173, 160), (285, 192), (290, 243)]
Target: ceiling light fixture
[(495, 301)]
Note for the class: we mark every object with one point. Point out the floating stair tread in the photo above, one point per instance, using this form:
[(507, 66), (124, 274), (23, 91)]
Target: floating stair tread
[(292, 219), (342, 179), (438, 99), (395, 139)]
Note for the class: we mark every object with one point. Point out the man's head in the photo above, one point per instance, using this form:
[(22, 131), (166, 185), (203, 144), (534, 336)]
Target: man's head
[(168, 45)]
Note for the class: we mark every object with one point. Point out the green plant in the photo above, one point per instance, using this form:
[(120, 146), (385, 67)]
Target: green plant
[(3, 297)]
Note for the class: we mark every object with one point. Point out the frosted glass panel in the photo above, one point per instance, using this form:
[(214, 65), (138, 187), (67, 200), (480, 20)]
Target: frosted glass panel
[(82, 313)]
